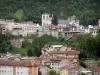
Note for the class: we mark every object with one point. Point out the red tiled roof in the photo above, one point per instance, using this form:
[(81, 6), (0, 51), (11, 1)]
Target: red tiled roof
[(98, 70), (57, 52), (30, 22), (60, 26), (8, 62), (76, 67), (57, 59), (71, 52), (67, 67), (70, 67)]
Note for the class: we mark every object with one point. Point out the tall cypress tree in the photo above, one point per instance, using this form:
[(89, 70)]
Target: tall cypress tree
[(30, 53), (55, 20)]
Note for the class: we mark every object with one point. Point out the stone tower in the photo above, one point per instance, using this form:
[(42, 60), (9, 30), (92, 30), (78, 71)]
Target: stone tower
[(46, 19)]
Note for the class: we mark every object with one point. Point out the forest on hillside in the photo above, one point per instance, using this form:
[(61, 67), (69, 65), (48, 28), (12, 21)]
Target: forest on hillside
[(87, 11)]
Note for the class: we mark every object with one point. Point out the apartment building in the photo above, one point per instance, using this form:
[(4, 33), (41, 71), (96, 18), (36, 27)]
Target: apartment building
[(73, 70), (56, 56), (23, 28), (18, 66), (61, 51)]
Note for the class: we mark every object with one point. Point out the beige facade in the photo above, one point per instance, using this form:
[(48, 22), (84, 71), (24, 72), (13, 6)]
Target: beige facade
[(18, 66), (63, 72), (58, 56)]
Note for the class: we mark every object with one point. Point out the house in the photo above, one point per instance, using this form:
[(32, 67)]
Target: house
[(16, 43), (17, 66), (73, 70), (97, 71), (57, 56), (64, 62), (52, 64), (61, 52), (44, 69), (24, 29)]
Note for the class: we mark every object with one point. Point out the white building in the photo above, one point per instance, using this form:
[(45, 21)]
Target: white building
[(46, 19), (24, 29)]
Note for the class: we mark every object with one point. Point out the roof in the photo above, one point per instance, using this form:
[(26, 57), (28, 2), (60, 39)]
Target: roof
[(56, 45), (57, 59), (70, 67), (5, 62), (71, 52), (30, 22), (57, 52), (97, 70), (63, 21), (24, 63), (60, 26)]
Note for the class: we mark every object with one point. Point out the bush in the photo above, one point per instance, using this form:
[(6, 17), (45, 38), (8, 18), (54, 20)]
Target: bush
[(83, 64)]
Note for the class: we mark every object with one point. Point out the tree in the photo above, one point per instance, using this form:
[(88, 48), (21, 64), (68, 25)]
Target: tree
[(52, 72), (83, 74), (83, 64), (30, 53), (5, 44), (55, 20), (39, 72), (98, 43), (19, 15)]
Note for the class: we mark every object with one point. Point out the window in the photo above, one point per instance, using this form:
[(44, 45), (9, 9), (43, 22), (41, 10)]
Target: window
[(47, 17), (43, 17)]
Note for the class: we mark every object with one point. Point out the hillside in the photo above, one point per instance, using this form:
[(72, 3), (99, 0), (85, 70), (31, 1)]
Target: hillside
[(87, 11)]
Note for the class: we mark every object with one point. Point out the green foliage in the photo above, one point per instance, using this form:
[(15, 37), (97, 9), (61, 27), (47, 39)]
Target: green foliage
[(83, 74), (39, 72), (19, 15), (5, 45), (83, 64), (38, 43), (86, 44), (55, 20), (52, 72), (32, 48), (30, 53), (87, 11)]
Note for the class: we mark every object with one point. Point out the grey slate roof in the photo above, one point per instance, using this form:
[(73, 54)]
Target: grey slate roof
[(60, 21)]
